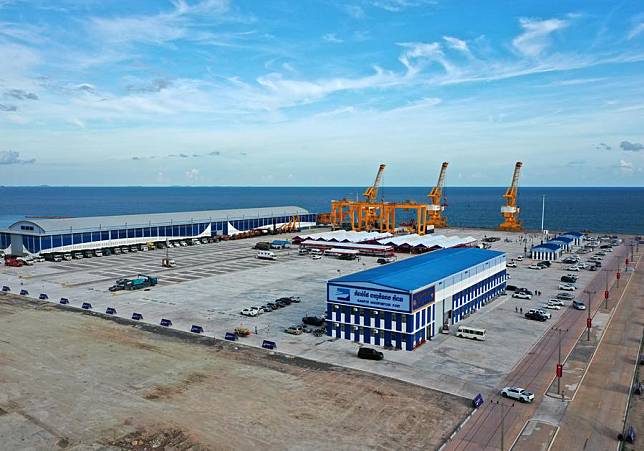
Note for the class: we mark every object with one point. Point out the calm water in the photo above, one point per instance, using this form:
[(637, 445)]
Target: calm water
[(597, 209)]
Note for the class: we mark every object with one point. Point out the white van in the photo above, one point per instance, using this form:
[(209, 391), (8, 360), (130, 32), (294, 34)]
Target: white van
[(315, 252), (266, 255), (471, 332)]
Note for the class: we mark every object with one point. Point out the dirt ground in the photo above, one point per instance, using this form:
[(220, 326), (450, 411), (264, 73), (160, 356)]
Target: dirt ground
[(77, 381)]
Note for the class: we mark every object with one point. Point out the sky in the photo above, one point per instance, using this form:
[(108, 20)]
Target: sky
[(319, 92)]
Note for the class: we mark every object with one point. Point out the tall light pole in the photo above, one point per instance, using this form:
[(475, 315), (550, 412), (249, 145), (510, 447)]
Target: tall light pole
[(589, 321), (503, 422), (559, 372)]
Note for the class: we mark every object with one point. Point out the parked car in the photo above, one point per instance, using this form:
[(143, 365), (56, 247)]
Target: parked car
[(510, 288), (294, 330), (567, 287), (550, 306), (248, 312), (578, 305), (511, 265), (545, 263), (266, 308), (555, 302), (316, 257), (568, 279), (272, 305), (544, 313), (566, 296), (370, 354), (521, 295), (517, 393), (525, 291), (534, 267), (520, 258), (313, 321), (535, 316), (573, 268)]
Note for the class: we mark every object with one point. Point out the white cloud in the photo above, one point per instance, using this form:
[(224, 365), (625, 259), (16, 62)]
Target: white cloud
[(399, 5), (355, 11), (457, 44), (11, 157), (193, 175), (159, 28), (625, 166), (636, 30), (331, 37), (536, 35), (418, 54)]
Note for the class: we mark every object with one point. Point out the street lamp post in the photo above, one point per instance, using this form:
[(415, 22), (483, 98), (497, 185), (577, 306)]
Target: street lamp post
[(559, 364), (588, 319)]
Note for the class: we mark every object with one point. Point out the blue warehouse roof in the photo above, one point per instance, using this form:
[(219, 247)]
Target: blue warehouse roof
[(565, 239), (547, 247), (576, 234), (416, 272)]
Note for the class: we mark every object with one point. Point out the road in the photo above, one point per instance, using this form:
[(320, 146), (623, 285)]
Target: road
[(595, 416), (497, 423)]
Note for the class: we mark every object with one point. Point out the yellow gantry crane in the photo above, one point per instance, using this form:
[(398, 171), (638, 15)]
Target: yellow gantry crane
[(510, 210), (371, 193), (437, 206)]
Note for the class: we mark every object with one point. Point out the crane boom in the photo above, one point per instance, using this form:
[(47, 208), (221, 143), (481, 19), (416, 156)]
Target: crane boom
[(436, 207), (510, 211), (371, 193)]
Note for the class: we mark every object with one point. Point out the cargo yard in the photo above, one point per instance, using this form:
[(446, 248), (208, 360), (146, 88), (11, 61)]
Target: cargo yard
[(443, 316)]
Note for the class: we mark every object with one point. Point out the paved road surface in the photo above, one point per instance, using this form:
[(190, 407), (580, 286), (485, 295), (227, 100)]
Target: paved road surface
[(595, 416), (501, 420)]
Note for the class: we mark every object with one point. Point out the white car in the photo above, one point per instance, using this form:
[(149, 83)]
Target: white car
[(544, 313), (511, 265), (258, 310), (573, 268), (517, 393), (522, 296), (555, 302), (550, 306), (567, 287), (520, 258), (316, 257), (534, 267), (249, 312)]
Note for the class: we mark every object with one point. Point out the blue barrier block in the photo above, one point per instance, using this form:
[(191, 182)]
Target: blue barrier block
[(5, 288), (137, 316), (24, 293), (110, 311), (630, 434), (166, 322), (477, 401), (196, 329), (86, 306), (231, 336), (266, 344), (43, 296), (64, 301)]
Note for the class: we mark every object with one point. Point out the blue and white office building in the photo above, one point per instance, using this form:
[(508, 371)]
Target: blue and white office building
[(38, 235), (403, 304)]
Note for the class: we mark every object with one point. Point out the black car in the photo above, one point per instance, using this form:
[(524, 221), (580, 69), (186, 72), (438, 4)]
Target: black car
[(294, 299), (568, 279), (273, 306), (544, 263), (535, 316), (510, 288), (313, 321), (370, 354), (525, 291), (285, 301)]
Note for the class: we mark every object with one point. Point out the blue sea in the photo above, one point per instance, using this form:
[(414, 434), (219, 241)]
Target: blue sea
[(619, 210)]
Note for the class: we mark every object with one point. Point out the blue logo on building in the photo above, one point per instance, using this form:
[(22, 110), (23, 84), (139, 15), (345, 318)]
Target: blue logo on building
[(343, 294)]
